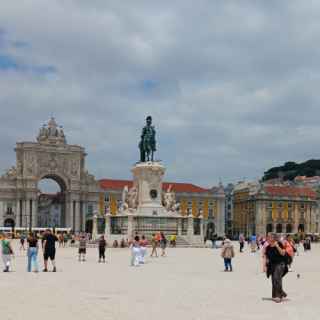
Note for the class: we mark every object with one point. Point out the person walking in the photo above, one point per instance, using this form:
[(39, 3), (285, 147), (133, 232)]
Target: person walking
[(7, 251), (253, 243), (102, 249), (163, 244), (277, 266), (143, 249), (241, 242), (22, 241), (82, 248), (227, 253), (289, 247), (154, 245), (49, 250), (33, 248)]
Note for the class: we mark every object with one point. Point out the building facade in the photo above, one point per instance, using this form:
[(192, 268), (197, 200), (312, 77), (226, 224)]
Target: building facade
[(193, 200), (259, 208), (49, 157)]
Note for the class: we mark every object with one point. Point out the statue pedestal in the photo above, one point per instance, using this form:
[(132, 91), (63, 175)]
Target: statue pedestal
[(147, 178)]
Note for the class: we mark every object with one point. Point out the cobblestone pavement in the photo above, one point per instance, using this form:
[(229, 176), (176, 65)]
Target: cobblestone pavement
[(187, 284)]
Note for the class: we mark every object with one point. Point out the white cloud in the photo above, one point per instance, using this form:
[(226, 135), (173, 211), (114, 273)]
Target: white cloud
[(232, 86)]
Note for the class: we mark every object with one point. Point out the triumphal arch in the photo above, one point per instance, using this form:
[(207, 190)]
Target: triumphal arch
[(49, 157)]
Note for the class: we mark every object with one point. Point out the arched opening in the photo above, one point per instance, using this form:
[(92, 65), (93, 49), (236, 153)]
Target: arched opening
[(279, 228), (9, 223), (210, 230), (289, 228), (301, 228), (51, 202), (89, 226), (269, 227)]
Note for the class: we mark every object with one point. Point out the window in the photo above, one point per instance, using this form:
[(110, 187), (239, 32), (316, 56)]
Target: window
[(302, 215), (90, 208), (290, 215), (269, 205), (290, 205), (302, 206), (270, 215), (9, 208)]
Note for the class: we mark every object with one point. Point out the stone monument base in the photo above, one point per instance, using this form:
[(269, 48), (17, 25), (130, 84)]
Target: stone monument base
[(189, 230)]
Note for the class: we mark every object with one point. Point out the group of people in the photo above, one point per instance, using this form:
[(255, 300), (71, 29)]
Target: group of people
[(277, 257), (139, 248), (48, 248)]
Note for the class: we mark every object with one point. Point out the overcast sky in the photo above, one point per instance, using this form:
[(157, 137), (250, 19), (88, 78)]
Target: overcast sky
[(233, 86)]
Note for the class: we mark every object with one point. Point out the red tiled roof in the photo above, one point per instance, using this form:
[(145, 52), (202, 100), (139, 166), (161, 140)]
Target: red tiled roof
[(176, 186), (290, 191)]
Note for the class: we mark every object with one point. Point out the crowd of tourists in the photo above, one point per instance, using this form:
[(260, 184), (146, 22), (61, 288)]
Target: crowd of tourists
[(277, 252), (47, 241)]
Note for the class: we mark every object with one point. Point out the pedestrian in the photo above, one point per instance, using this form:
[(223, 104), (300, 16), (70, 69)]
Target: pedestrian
[(277, 266), (173, 239), (143, 249), (22, 241), (82, 248), (102, 249), (33, 249), (289, 246), (135, 251), (163, 244), (227, 253), (49, 250), (7, 251), (241, 242), (154, 245), (253, 242)]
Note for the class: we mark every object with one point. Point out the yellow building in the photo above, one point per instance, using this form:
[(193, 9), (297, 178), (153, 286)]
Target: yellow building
[(193, 200), (261, 208)]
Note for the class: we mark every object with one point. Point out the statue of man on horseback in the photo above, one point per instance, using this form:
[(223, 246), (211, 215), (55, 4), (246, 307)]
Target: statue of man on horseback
[(147, 144)]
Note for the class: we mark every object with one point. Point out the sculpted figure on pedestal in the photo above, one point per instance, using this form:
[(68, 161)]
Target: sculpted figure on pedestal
[(170, 199), (147, 144), (133, 198)]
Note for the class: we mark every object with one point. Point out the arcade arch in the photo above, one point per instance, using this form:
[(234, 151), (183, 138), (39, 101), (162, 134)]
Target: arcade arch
[(50, 157)]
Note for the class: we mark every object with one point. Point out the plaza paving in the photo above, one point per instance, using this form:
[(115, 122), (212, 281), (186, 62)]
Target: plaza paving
[(187, 284)]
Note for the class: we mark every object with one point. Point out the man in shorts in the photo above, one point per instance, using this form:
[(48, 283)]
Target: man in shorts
[(49, 250)]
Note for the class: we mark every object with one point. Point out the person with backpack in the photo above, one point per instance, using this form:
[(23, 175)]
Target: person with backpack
[(277, 266), (290, 248), (7, 251)]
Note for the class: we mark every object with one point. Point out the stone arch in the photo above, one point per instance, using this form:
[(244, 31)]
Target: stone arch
[(52, 211), (9, 223), (58, 178), (50, 156), (211, 229)]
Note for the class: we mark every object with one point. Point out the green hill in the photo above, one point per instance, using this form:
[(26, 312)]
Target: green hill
[(291, 169)]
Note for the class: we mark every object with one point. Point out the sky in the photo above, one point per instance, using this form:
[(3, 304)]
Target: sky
[(232, 86)]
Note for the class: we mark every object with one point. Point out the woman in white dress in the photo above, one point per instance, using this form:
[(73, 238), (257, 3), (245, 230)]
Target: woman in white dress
[(135, 251), (143, 249)]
